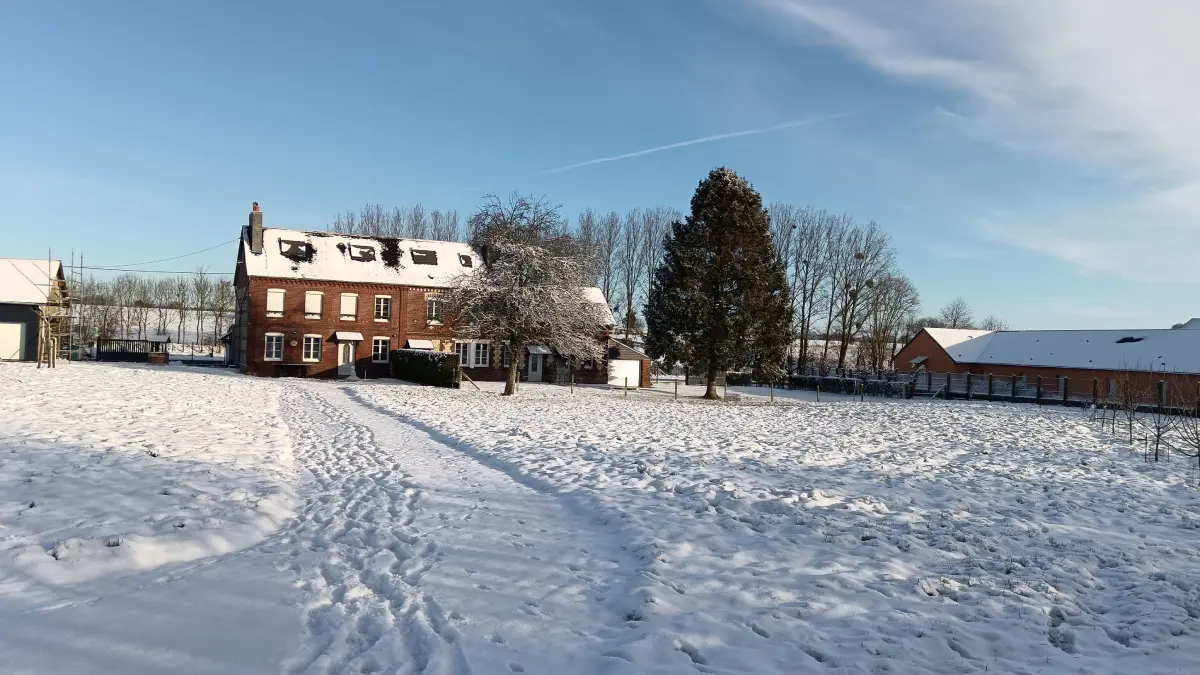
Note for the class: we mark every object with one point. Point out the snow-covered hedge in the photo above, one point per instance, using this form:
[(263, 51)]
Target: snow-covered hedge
[(425, 367)]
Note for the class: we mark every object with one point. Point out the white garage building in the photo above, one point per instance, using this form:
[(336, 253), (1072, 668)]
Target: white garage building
[(33, 308)]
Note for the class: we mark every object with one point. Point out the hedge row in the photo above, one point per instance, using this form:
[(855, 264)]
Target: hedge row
[(849, 385), (439, 369)]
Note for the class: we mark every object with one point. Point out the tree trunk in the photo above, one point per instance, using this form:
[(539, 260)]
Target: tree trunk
[(710, 391), (514, 367)]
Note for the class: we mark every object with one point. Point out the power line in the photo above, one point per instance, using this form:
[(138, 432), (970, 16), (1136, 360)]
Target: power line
[(119, 269), (151, 262)]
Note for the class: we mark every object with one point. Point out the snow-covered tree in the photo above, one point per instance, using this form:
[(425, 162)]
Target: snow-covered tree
[(720, 297), (531, 285)]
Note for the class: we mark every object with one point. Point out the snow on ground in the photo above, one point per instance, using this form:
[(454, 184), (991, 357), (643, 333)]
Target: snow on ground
[(113, 480), (454, 532), (858, 537)]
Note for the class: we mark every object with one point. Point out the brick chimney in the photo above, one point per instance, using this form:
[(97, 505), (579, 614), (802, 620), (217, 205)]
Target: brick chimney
[(256, 230)]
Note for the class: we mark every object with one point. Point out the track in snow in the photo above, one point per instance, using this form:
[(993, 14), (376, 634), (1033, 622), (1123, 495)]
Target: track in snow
[(420, 559)]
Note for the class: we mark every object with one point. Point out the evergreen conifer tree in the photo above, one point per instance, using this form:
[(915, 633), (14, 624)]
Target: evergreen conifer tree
[(719, 299)]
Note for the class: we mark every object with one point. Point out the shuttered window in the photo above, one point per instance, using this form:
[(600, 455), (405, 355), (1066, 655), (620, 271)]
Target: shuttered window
[(312, 304), (275, 302), (349, 306)]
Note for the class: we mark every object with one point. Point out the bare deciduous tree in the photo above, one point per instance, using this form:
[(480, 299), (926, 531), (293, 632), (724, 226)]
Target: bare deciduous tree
[(867, 257), (1160, 420), (1128, 396), (181, 302), (994, 323), (631, 261), (956, 314), (418, 226), (608, 247), (162, 301), (891, 304), (222, 308), (202, 289)]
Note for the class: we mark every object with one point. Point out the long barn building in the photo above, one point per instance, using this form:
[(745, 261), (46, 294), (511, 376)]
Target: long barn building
[(1153, 355)]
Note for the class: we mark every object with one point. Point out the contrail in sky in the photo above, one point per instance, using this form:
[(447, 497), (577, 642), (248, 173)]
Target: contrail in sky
[(698, 141)]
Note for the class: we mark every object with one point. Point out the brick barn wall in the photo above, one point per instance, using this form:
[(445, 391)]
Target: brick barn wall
[(408, 321), (938, 361), (1079, 381)]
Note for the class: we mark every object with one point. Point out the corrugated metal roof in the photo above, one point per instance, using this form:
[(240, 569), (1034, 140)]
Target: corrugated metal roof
[(27, 282)]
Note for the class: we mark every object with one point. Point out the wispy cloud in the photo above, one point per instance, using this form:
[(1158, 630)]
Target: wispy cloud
[(1104, 85), (698, 141)]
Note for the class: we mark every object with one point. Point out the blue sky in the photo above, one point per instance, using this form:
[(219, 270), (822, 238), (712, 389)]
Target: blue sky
[(1039, 158)]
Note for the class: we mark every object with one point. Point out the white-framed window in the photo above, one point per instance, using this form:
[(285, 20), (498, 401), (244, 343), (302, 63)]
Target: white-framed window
[(505, 356), (275, 298), (481, 355), (273, 347), (349, 306), (434, 309), (312, 348), (380, 348), (383, 308), (463, 349), (312, 304)]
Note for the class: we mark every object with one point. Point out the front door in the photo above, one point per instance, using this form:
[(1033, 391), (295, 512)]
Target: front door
[(535, 368), (346, 359)]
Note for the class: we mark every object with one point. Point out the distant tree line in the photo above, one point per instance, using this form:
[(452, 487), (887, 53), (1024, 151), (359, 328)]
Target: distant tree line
[(957, 314), (373, 220), (198, 306), (852, 307)]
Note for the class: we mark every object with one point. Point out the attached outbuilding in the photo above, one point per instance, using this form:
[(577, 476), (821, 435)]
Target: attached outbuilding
[(627, 366), (34, 310)]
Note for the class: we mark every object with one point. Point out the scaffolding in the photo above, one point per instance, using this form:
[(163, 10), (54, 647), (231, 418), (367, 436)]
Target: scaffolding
[(54, 318)]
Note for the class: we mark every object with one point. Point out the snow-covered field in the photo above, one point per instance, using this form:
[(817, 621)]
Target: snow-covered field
[(461, 532)]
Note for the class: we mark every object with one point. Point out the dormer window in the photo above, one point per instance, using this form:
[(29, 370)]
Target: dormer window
[(424, 257), (362, 253), (300, 251), (465, 260)]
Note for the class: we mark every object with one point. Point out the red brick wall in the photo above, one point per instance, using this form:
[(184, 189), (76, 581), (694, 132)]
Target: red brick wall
[(938, 361), (408, 321), (1079, 381)]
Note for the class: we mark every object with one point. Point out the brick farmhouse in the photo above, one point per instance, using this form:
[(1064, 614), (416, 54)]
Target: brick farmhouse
[(323, 304), (1080, 356)]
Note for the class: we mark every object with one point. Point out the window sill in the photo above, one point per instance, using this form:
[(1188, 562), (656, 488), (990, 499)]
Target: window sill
[(311, 360), (274, 316), (271, 360), (312, 316), (433, 322), (349, 318), (374, 361), (378, 320)]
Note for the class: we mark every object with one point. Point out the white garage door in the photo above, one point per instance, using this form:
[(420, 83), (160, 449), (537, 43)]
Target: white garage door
[(12, 339), (620, 371)]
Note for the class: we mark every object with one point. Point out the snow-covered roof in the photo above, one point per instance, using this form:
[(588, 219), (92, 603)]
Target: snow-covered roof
[(1159, 350), (1192, 324), (596, 295), (328, 256), (27, 282)]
